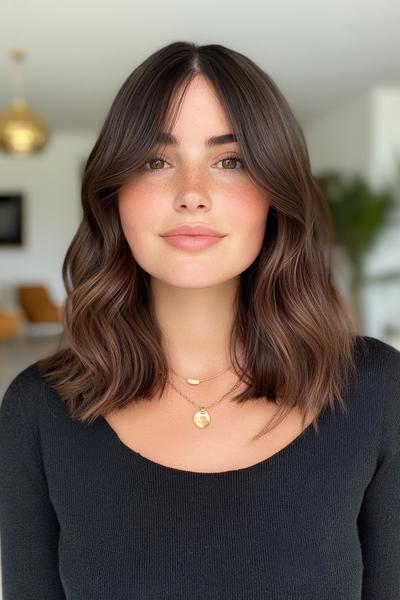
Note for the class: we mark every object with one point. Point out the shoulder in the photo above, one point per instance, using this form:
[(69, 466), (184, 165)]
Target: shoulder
[(25, 386), (23, 411), (28, 379), (19, 440), (376, 353), (26, 396), (379, 363)]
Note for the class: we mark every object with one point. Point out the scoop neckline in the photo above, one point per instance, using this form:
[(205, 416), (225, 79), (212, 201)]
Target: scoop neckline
[(165, 469)]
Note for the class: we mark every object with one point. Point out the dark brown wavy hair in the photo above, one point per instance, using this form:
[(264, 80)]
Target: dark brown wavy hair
[(298, 337)]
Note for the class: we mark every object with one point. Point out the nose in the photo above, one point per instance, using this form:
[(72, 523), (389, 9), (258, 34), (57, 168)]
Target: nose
[(192, 201), (193, 194)]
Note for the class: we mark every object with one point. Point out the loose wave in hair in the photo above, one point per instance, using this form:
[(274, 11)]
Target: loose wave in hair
[(297, 335)]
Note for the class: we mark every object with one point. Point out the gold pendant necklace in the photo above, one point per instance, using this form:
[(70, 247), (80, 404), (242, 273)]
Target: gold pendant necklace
[(201, 417)]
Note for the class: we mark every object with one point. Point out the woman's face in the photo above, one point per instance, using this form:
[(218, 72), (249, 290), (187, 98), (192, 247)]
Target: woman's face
[(194, 184)]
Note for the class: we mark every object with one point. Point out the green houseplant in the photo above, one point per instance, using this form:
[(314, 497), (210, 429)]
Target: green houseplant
[(359, 214)]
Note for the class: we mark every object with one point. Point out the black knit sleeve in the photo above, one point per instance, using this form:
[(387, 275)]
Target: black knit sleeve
[(379, 518), (29, 526)]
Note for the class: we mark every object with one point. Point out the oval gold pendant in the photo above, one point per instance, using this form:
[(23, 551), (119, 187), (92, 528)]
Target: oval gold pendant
[(201, 418)]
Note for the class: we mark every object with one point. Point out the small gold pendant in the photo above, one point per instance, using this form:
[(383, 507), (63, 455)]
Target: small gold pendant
[(193, 381), (201, 418)]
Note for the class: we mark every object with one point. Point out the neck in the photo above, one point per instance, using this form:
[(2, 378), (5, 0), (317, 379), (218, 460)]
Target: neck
[(196, 324)]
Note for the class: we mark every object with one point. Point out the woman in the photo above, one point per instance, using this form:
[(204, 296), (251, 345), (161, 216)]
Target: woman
[(172, 448)]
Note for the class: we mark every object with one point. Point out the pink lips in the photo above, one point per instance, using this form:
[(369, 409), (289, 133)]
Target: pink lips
[(192, 237), (192, 242), (187, 229)]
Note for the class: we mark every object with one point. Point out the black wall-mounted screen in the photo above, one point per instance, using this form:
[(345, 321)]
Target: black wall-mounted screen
[(11, 219)]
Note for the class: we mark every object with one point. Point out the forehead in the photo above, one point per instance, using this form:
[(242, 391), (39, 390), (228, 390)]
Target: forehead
[(197, 109)]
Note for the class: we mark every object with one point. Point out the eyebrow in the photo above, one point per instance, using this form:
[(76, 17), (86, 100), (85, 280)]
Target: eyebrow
[(215, 140)]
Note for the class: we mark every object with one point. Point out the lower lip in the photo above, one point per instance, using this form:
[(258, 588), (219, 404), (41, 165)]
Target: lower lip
[(192, 242)]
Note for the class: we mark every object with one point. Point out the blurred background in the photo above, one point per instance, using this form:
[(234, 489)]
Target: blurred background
[(61, 65)]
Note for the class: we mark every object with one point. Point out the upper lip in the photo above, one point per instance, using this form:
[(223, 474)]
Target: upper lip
[(186, 229)]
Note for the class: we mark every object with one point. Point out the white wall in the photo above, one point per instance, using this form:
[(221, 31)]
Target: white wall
[(363, 136), (51, 183), (342, 139), (385, 149)]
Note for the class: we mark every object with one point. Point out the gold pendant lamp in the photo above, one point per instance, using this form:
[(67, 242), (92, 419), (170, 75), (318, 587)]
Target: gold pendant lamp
[(21, 130)]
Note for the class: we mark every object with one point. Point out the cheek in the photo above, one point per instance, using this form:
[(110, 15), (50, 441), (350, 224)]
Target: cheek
[(247, 216), (253, 237), (140, 214), (138, 210), (250, 214)]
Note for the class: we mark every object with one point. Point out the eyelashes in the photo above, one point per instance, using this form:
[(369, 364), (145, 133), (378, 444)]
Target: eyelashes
[(161, 158)]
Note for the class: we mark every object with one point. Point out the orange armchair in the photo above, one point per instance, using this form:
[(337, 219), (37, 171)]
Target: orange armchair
[(10, 322), (37, 305)]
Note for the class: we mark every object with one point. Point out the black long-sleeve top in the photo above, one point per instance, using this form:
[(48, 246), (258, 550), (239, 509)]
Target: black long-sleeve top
[(84, 517)]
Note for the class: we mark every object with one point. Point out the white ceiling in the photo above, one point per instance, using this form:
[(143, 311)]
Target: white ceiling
[(319, 52)]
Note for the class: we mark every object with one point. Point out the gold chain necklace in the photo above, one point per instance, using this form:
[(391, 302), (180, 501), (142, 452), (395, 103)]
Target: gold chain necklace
[(201, 418)]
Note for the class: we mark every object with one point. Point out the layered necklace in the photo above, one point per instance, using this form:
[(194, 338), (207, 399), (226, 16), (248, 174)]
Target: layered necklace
[(201, 418)]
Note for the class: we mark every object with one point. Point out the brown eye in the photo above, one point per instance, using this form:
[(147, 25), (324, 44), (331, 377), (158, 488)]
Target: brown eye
[(157, 160), (230, 163)]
